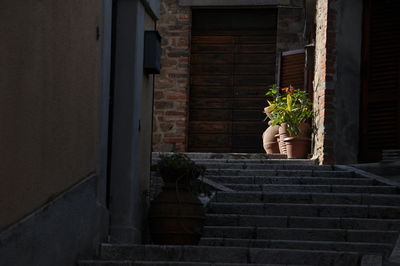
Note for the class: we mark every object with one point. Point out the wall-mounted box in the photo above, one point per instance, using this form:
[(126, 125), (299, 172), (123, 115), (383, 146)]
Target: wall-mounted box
[(152, 52)]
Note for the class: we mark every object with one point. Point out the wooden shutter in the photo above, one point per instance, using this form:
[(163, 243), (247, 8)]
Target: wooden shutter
[(292, 69), (232, 64), (380, 113)]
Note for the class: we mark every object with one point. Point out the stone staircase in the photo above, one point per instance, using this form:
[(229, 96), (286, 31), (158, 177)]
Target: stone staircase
[(270, 211)]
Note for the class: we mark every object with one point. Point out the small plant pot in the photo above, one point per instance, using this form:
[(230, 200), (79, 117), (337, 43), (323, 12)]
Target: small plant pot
[(282, 135), (297, 147), (176, 217), (280, 144), (305, 129), (271, 147), (270, 143)]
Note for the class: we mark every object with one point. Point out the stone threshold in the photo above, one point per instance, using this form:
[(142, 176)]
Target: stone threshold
[(214, 155), (230, 3)]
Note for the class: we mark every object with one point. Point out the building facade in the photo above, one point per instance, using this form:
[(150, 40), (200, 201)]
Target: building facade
[(220, 56), (218, 59), (357, 96), (76, 113)]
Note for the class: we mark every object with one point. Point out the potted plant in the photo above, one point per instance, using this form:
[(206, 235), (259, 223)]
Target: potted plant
[(176, 215), (270, 142), (274, 99), (291, 108)]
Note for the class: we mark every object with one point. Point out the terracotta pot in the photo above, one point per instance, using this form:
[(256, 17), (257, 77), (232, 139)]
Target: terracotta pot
[(176, 217), (297, 147), (305, 130), (282, 135), (269, 142), (271, 147)]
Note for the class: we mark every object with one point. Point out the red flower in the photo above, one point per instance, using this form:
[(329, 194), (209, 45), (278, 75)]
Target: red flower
[(289, 90)]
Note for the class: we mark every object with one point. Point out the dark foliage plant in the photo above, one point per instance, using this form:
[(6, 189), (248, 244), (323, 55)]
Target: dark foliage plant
[(179, 168)]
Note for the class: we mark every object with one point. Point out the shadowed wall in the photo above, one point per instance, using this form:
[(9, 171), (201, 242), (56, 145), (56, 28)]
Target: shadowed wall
[(49, 86)]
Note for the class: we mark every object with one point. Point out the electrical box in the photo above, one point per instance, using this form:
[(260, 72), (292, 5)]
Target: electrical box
[(152, 52)]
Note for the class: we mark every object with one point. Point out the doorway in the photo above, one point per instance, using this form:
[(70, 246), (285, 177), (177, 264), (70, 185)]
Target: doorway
[(233, 56), (380, 110)]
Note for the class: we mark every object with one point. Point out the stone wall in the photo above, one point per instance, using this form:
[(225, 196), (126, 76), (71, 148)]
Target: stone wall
[(171, 91), (337, 80), (325, 75), (347, 82)]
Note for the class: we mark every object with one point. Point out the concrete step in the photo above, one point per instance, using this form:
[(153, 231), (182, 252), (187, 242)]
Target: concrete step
[(302, 222), (260, 161), (262, 166), (259, 172), (106, 263), (308, 198), (361, 247), (313, 210), (313, 188), (169, 263), (173, 263), (230, 156), (308, 234), (292, 180), (238, 255)]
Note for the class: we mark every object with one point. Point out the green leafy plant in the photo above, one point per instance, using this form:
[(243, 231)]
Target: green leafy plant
[(288, 105), (179, 168)]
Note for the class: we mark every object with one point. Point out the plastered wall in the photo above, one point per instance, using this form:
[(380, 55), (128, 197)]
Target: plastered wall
[(49, 85)]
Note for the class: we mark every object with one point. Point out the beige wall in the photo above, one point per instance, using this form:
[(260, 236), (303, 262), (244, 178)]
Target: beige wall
[(49, 85)]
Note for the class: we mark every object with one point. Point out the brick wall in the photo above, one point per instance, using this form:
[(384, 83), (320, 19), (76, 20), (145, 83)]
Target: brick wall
[(325, 76), (171, 88)]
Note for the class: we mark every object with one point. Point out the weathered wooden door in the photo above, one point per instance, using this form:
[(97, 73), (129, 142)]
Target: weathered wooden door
[(380, 114), (232, 64)]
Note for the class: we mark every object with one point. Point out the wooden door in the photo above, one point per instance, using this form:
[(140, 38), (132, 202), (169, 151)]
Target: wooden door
[(380, 114), (232, 64)]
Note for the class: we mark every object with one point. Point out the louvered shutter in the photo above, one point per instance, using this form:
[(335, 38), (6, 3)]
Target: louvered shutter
[(380, 115), (292, 69)]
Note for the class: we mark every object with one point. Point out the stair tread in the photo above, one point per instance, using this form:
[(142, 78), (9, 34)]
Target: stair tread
[(301, 241), (362, 247), (308, 197), (308, 185), (301, 221), (312, 187), (229, 255), (301, 217), (306, 204), (304, 209), (171, 263), (308, 193), (295, 229), (277, 171), (263, 178), (318, 234)]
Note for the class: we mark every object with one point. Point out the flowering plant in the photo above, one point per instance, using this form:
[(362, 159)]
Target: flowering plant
[(288, 105)]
